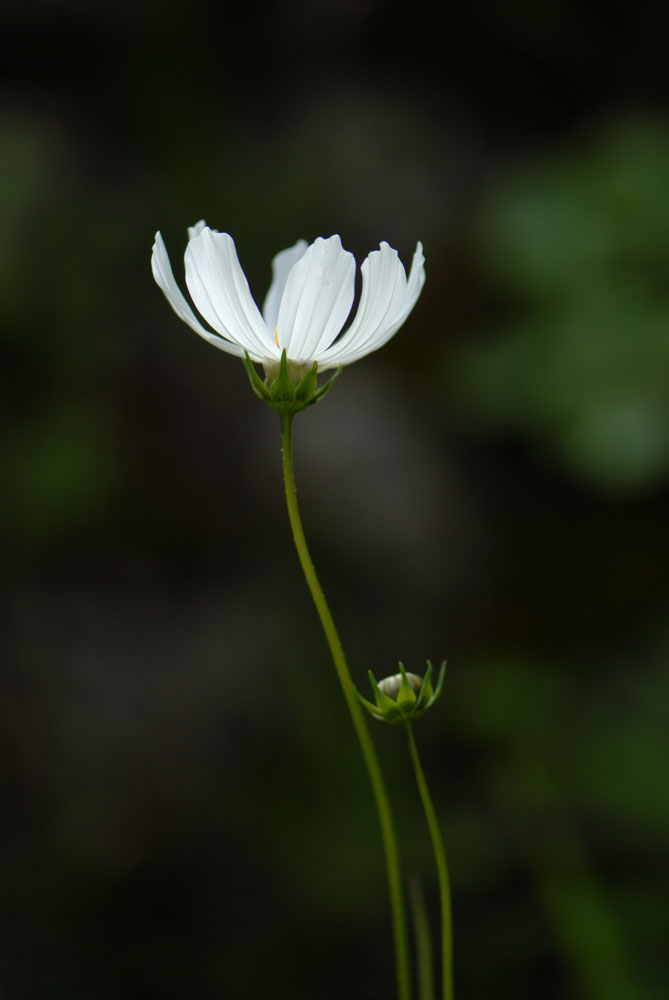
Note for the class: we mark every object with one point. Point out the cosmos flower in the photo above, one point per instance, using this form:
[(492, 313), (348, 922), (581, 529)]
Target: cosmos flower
[(306, 307)]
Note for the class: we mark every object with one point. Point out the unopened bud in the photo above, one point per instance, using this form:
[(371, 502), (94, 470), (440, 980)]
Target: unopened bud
[(403, 697)]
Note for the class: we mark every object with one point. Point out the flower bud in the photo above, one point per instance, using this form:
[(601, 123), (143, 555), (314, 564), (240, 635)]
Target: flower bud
[(391, 685), (403, 697)]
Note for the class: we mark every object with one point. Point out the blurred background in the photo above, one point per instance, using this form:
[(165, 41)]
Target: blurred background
[(185, 813)]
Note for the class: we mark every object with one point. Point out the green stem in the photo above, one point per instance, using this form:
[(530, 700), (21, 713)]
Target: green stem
[(368, 751), (442, 869), (423, 942)]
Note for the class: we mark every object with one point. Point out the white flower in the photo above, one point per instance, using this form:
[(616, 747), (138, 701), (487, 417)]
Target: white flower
[(306, 307)]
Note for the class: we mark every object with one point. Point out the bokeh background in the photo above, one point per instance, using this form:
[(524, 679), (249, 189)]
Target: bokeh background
[(184, 810)]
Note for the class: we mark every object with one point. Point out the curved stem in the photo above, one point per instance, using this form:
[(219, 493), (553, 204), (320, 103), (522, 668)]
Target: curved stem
[(368, 751), (442, 869)]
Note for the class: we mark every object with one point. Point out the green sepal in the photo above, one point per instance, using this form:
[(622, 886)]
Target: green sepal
[(282, 394), (372, 709), (406, 697), (307, 386), (325, 387), (440, 682), (386, 705), (257, 384), (426, 692), (282, 390)]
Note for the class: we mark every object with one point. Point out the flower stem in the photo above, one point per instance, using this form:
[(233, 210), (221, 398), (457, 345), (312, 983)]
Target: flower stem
[(368, 751), (442, 869), (423, 942)]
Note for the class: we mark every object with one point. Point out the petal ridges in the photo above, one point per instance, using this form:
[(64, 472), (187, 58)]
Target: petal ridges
[(220, 291), (317, 299), (164, 276)]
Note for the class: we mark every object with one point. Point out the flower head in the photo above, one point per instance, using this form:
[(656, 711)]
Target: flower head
[(306, 307), (403, 697)]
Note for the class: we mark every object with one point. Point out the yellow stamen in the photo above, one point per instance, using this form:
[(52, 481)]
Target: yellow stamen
[(276, 335)]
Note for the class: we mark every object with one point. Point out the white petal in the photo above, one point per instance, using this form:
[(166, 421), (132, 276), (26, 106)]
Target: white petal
[(317, 299), (416, 277), (162, 272), (195, 230), (413, 289), (281, 267), (383, 289), (219, 289), (383, 310)]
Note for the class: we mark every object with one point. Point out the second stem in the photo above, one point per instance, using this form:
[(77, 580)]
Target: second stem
[(442, 869)]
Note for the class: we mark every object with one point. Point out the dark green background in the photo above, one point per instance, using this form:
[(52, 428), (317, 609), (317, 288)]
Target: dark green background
[(184, 810)]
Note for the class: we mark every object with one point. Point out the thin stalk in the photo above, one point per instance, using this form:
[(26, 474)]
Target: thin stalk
[(368, 751), (442, 869), (423, 941)]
